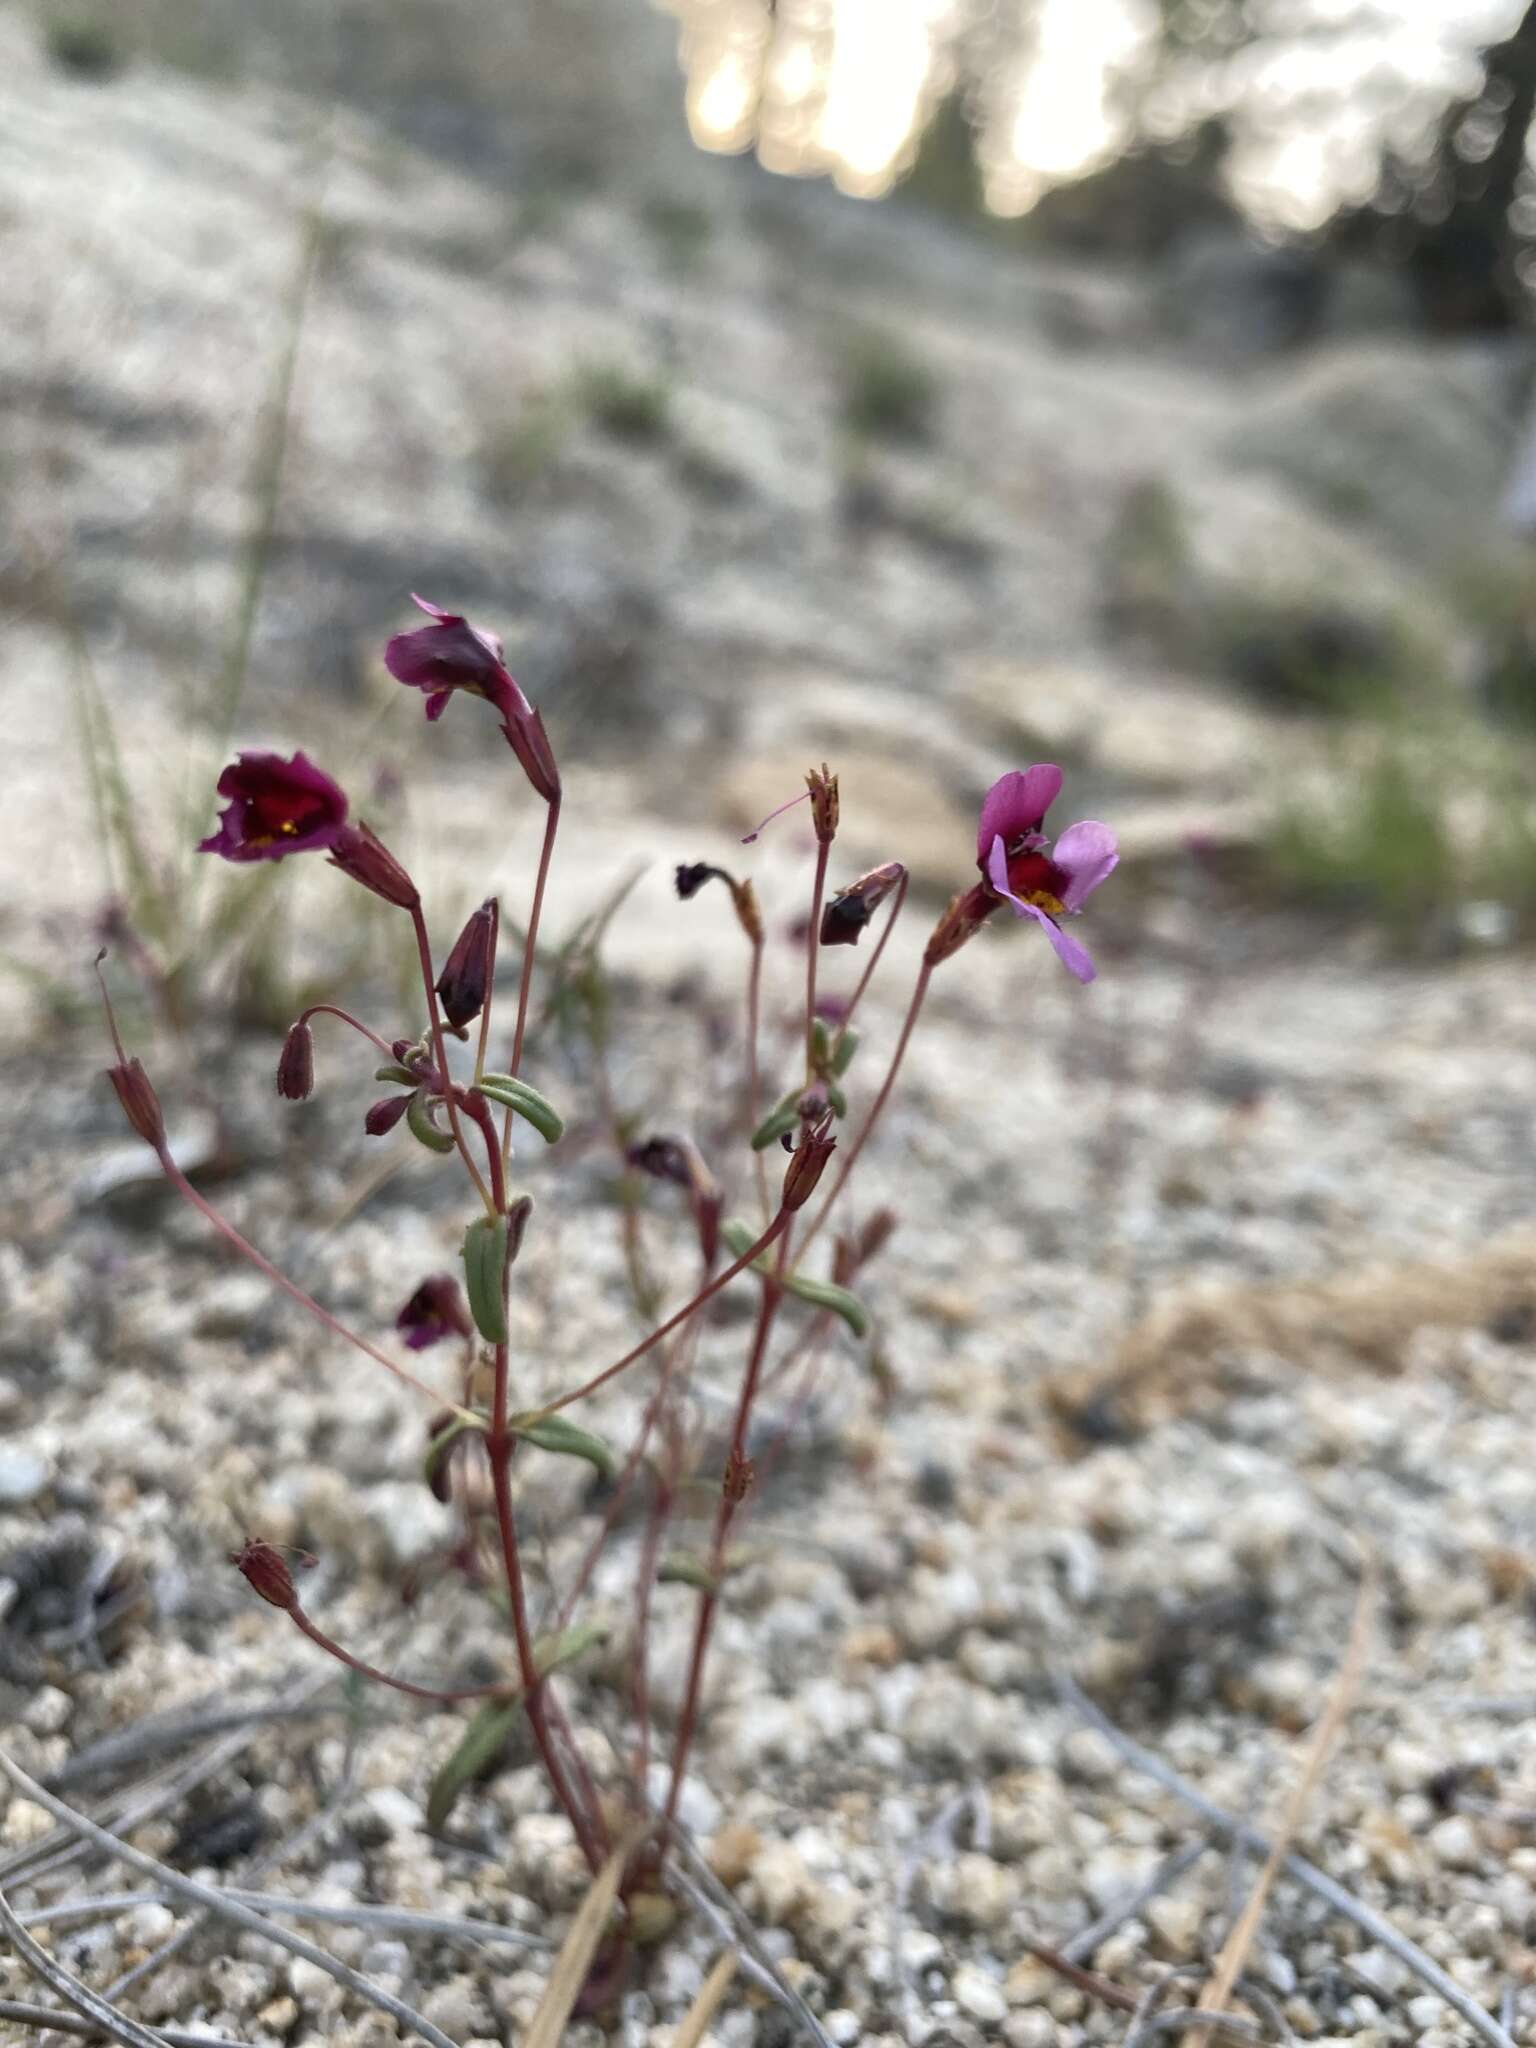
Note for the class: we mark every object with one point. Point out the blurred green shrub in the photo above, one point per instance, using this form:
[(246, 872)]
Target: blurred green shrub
[(85, 46), (887, 392), (626, 404), (1413, 828), (681, 232)]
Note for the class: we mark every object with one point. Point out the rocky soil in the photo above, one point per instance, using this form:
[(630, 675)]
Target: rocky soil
[(1206, 1335)]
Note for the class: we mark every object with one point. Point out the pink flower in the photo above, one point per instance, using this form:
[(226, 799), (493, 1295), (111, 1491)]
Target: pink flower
[(276, 807), (1022, 868), (450, 655)]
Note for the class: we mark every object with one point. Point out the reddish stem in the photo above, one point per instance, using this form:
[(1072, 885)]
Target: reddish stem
[(773, 1294), (346, 1016), (531, 941), (265, 1266), (689, 1307), (850, 1159), (490, 989), (754, 1074), (812, 952), (874, 959), (434, 1018), (305, 1626)]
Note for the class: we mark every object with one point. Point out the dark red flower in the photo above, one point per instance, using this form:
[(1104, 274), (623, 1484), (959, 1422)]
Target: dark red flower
[(450, 655), (435, 1311), (276, 807)]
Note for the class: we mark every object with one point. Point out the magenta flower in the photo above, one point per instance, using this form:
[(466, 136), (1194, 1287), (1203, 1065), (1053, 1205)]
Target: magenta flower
[(276, 807), (450, 655), (1024, 870), (435, 1311)]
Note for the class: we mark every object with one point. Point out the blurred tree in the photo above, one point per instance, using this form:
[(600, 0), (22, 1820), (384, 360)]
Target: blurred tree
[(1462, 214)]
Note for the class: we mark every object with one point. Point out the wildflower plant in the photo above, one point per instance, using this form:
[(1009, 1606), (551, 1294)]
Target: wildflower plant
[(788, 1160)]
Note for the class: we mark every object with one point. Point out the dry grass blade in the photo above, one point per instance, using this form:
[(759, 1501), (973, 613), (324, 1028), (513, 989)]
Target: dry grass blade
[(577, 1950), (1297, 1868), (208, 1895), (44, 2018), (704, 2007), (86, 2002), (1234, 1951)]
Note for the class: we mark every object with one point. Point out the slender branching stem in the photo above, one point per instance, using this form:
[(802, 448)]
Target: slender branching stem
[(227, 1230), (730, 1500), (530, 953), (346, 1016), (439, 1053), (754, 1071), (316, 1634), (477, 1106), (850, 1158), (490, 990), (776, 1225), (813, 954), (499, 1445), (874, 959)]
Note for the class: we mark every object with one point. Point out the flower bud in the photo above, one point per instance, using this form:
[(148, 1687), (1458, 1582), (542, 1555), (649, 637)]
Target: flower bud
[(360, 853), (296, 1064), (383, 1116), (466, 977), (822, 784), (524, 728), (140, 1103), (807, 1162), (847, 913), (959, 925), (265, 1571)]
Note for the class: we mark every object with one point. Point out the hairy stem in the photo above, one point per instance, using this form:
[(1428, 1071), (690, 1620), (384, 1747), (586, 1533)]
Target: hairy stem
[(346, 1016), (490, 990)]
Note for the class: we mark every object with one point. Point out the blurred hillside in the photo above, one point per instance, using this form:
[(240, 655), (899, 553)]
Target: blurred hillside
[(730, 457)]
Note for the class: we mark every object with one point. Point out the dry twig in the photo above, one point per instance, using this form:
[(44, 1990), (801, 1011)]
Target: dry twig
[(208, 1895), (1234, 1952), (1333, 1894)]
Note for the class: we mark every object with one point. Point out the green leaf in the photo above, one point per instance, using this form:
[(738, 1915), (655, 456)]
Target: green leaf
[(777, 1121), (401, 1076), (419, 1116), (821, 1045), (837, 1101), (842, 1059), (440, 1445), (476, 1750), (485, 1258), (527, 1102), (567, 1439), (683, 1569), (824, 1294), (740, 1237)]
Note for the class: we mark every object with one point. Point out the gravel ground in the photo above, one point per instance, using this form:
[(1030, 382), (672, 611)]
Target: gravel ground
[(1073, 1447)]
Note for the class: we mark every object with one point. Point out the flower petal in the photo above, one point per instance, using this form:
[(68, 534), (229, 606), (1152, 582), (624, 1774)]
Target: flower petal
[(1016, 803), (1071, 955), (1088, 853)]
